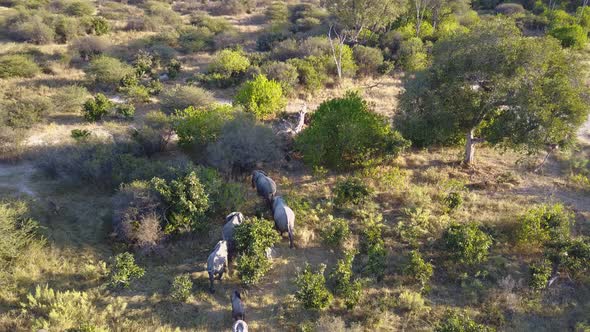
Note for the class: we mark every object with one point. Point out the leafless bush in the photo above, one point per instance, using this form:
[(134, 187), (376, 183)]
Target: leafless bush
[(136, 215), (243, 145), (89, 46)]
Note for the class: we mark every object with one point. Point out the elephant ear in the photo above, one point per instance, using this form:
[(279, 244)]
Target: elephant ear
[(263, 173), (240, 217)]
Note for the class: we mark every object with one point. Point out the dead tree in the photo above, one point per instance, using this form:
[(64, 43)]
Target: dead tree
[(337, 54)]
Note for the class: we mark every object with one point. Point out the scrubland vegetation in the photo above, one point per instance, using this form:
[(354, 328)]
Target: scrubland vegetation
[(435, 154)]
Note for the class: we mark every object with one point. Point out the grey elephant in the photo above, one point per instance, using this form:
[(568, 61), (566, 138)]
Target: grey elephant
[(231, 221), (284, 218), (264, 185), (240, 326), (237, 308), (217, 263)]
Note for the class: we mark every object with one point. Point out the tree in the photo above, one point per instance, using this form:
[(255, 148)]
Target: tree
[(356, 15), (514, 92), (261, 97), (345, 132)]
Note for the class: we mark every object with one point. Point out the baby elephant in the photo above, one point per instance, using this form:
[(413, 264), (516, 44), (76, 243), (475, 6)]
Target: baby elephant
[(284, 218), (264, 185), (231, 221), (217, 263), (240, 326), (237, 308)]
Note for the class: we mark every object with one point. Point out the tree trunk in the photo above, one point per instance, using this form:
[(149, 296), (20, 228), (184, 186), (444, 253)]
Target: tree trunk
[(470, 148)]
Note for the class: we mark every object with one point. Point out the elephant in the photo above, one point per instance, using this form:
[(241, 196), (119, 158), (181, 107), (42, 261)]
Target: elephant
[(284, 218), (264, 185), (237, 308), (217, 263), (231, 221), (240, 326)]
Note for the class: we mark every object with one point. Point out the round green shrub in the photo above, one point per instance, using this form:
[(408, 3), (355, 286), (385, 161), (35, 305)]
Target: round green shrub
[(124, 270), (466, 243), (108, 71), (187, 202), (183, 96), (227, 68), (351, 190), (252, 238), (126, 111), (96, 108), (336, 232), (16, 65), (284, 73), (539, 275), (368, 60), (182, 286), (344, 285), (573, 36), (200, 126), (261, 97), (544, 223), (453, 201), (419, 270), (345, 133), (311, 288), (79, 8)]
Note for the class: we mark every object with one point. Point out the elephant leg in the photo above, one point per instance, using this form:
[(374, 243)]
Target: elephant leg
[(211, 290)]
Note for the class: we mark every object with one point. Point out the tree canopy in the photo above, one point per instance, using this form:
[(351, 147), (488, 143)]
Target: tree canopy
[(512, 91)]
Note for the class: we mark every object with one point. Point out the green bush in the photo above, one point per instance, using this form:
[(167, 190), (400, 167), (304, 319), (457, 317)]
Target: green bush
[(96, 108), (419, 270), (80, 134), (182, 96), (107, 71), (24, 110), (453, 201), (284, 73), (124, 270), (312, 72), (252, 238), (368, 59), (573, 36), (377, 255), (335, 232), (145, 63), (228, 68), (458, 322), (412, 54), (200, 126), (55, 310), (16, 65), (412, 302), (79, 8), (466, 243), (99, 26), (187, 202), (311, 288), (345, 133), (173, 68), (17, 233), (544, 223), (126, 111), (351, 190), (70, 98), (413, 225), (196, 39), (344, 285), (539, 275), (66, 29), (182, 287), (254, 235), (571, 256), (33, 29), (261, 97)]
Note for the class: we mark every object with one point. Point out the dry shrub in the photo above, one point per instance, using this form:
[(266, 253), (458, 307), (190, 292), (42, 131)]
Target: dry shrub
[(136, 215), (89, 46)]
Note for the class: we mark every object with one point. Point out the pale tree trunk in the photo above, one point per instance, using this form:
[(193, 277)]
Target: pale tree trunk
[(470, 147), (337, 58)]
